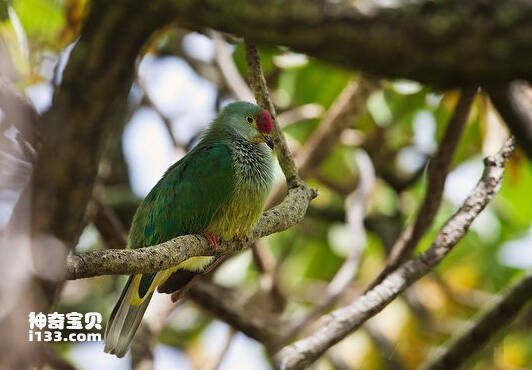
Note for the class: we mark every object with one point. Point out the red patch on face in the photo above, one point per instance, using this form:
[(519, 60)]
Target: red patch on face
[(264, 121)]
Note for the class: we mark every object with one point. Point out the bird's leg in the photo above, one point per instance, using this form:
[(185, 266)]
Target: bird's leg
[(243, 240), (211, 238)]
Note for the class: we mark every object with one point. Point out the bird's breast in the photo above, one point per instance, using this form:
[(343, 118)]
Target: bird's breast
[(253, 178)]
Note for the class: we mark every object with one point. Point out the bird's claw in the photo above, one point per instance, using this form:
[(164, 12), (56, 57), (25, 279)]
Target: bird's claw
[(211, 238)]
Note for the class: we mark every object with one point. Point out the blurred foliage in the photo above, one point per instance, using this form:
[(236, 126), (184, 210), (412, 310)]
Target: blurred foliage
[(400, 129)]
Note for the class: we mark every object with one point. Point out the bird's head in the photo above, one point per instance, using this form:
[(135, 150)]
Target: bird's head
[(249, 121)]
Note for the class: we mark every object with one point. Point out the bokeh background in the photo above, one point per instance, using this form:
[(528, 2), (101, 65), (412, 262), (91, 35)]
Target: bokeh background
[(177, 92)]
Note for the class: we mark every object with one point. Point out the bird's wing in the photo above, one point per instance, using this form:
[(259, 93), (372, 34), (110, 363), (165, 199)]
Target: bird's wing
[(183, 202)]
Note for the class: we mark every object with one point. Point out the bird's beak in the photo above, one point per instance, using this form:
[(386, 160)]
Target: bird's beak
[(268, 139), (264, 138)]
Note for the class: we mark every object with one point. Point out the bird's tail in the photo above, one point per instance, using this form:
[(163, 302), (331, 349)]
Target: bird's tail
[(125, 318), (127, 314)]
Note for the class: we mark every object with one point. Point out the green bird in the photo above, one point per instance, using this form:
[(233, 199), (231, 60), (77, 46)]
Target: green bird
[(218, 189)]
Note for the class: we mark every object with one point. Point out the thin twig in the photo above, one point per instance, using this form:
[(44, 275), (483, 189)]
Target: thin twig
[(142, 348), (386, 349), (436, 174), (355, 212), (350, 103), (269, 282), (109, 225), (230, 74), (142, 357), (286, 160), (260, 90), (52, 360), (221, 355), (301, 113), (228, 305), (355, 206), (147, 100), (503, 310), (346, 107), (341, 322)]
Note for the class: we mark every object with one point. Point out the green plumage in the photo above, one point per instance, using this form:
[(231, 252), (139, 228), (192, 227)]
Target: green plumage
[(218, 188), (185, 200)]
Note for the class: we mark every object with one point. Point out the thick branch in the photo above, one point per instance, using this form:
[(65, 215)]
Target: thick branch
[(165, 255), (88, 105), (341, 322), (90, 102), (514, 104), (499, 314), (426, 40), (17, 111)]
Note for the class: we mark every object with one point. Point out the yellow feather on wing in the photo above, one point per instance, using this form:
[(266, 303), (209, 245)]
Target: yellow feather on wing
[(192, 264)]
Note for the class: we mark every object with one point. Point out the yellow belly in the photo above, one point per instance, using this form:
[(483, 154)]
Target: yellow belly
[(240, 216)]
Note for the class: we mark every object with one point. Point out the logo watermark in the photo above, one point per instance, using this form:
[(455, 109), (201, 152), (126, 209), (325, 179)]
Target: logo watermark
[(57, 322)]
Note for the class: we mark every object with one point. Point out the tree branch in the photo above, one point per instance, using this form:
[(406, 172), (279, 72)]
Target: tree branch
[(153, 322), (218, 360), (91, 99), (286, 161), (260, 90), (355, 206), (228, 69), (436, 173), (226, 304), (427, 41), (503, 310), (269, 280), (88, 105), (18, 111), (514, 104), (345, 320), (108, 225), (168, 254), (346, 107), (301, 113), (167, 122)]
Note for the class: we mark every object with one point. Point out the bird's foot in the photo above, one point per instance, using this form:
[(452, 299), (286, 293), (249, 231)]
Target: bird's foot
[(211, 238)]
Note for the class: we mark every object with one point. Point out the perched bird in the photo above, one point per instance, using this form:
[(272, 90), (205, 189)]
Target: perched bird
[(218, 189)]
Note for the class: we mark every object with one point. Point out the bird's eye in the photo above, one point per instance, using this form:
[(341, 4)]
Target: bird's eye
[(250, 120)]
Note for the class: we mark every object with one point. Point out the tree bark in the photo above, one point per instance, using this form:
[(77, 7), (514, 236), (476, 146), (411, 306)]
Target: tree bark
[(441, 43)]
